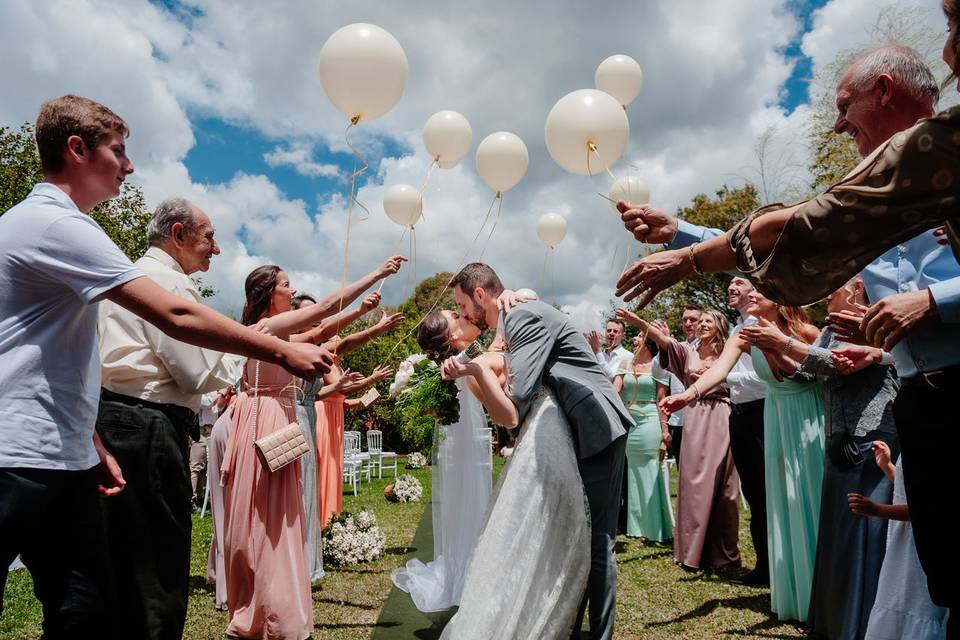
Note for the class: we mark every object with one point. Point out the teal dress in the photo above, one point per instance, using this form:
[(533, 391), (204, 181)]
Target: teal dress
[(648, 510), (793, 444)]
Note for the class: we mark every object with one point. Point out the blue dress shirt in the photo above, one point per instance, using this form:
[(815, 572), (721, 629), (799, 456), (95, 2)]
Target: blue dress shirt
[(918, 264)]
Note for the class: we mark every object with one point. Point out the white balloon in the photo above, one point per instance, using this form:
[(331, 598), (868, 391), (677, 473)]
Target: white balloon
[(363, 69), (629, 189), (447, 136), (621, 77), (527, 293), (402, 204), (583, 118), (502, 160), (551, 228)]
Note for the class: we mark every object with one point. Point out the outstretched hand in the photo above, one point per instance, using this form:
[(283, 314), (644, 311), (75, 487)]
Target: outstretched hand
[(372, 301), (862, 505), (648, 224), (391, 266), (845, 325), (386, 324), (855, 357), (894, 317), (651, 275), (674, 403), (765, 335)]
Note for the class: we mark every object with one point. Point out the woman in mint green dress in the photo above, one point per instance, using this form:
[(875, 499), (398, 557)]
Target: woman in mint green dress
[(648, 510), (793, 431)]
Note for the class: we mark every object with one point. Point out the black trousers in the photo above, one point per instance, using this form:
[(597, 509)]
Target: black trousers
[(746, 445), (148, 524), (52, 519), (676, 437), (927, 429)]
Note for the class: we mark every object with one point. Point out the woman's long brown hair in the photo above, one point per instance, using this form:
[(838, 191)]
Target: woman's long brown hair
[(259, 288)]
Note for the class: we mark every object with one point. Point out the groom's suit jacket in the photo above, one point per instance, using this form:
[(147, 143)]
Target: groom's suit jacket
[(545, 348)]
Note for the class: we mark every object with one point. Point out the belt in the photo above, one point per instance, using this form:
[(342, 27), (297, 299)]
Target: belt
[(745, 407), (176, 413), (939, 379)]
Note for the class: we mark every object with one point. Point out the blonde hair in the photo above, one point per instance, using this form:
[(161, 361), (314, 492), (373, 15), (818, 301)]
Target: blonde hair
[(719, 339), (797, 320)]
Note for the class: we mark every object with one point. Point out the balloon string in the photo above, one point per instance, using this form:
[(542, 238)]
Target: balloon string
[(443, 289), (353, 201), (592, 147), (396, 248), (357, 172), (426, 179), (496, 219)]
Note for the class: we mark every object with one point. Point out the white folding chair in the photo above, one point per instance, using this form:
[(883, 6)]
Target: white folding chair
[(351, 451), (378, 457)]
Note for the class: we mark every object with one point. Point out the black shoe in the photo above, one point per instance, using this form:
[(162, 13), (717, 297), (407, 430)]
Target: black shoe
[(752, 579)]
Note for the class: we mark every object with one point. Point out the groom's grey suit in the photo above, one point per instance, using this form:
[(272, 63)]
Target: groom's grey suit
[(546, 349)]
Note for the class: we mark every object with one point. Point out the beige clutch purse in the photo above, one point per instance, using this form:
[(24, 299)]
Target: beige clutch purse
[(281, 447)]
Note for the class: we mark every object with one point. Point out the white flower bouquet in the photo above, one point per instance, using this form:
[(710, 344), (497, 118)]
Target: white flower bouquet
[(405, 488), (353, 539), (404, 373), (416, 460)]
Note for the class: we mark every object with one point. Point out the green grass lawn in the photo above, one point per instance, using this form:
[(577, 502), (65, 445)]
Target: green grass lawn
[(656, 599)]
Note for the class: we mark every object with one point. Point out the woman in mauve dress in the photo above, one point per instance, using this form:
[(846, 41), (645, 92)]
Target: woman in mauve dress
[(708, 515)]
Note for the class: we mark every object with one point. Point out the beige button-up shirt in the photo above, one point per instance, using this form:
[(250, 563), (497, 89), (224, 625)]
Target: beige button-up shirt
[(141, 361)]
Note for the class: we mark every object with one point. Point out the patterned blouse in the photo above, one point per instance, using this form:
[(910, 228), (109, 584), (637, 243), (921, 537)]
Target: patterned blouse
[(908, 184)]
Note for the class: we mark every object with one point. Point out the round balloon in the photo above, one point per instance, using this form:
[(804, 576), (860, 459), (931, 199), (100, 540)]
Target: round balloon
[(551, 228), (363, 69), (502, 160), (527, 293), (402, 204), (581, 120), (629, 189), (447, 136), (621, 77)]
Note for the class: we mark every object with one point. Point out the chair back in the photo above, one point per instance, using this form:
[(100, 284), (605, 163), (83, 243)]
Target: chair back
[(351, 443), (374, 441)]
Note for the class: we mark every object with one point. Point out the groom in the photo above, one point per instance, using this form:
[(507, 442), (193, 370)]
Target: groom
[(546, 349)]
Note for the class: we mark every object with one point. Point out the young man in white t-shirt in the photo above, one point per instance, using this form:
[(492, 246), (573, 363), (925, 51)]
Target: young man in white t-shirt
[(56, 263)]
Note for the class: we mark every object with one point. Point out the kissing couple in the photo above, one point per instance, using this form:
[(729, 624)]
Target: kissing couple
[(547, 549)]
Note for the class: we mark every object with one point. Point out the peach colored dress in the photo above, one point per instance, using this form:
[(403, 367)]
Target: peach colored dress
[(330, 456), (268, 586)]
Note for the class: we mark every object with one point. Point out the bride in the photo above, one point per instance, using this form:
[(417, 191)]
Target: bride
[(461, 481), (529, 570)]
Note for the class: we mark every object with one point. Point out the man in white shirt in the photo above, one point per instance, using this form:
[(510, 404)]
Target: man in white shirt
[(747, 392), (614, 353), (56, 265), (152, 385)]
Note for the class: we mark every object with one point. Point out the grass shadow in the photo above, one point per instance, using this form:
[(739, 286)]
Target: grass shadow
[(759, 603)]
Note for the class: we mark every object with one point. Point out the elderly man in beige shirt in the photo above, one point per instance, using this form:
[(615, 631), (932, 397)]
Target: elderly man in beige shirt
[(152, 386)]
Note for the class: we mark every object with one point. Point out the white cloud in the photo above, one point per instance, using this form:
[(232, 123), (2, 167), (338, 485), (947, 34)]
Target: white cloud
[(714, 73), (298, 157)]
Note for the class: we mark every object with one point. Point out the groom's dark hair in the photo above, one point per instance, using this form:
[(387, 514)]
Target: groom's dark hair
[(477, 274)]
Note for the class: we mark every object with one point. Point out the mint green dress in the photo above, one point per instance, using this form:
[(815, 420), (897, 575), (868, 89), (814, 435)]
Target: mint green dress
[(648, 512), (793, 444)]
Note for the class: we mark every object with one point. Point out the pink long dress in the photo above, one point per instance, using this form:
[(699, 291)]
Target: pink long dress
[(268, 586), (707, 511), (330, 456)]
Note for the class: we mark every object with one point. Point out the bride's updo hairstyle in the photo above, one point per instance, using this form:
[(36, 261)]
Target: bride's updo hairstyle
[(259, 288), (433, 336)]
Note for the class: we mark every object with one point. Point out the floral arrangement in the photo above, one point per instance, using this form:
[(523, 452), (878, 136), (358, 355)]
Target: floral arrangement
[(404, 372), (405, 488), (416, 460), (352, 539)]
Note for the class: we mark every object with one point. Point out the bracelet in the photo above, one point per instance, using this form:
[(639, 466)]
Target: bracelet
[(788, 346), (693, 260), (696, 391)]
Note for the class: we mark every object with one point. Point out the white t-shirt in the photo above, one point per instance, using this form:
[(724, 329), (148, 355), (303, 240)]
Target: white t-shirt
[(55, 265)]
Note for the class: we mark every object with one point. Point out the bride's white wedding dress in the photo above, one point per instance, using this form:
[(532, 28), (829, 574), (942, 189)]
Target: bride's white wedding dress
[(462, 485), (529, 571)]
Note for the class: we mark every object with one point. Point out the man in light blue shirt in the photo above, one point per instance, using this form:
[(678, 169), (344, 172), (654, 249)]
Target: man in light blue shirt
[(914, 289)]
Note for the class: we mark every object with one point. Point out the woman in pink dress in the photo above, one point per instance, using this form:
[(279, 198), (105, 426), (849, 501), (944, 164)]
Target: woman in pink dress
[(264, 538)]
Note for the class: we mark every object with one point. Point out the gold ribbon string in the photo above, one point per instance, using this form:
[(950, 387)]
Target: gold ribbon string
[(592, 148), (426, 178), (353, 201), (496, 219), (445, 286)]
